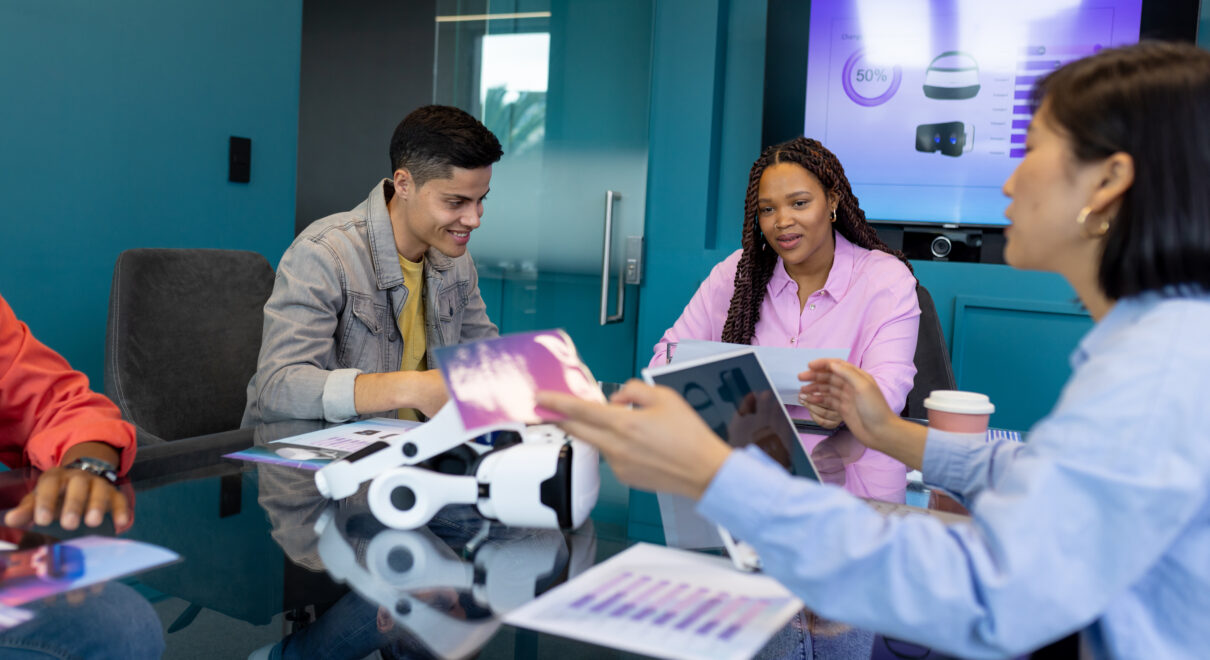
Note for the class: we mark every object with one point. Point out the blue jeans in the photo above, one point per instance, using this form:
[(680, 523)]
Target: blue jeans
[(807, 636), (116, 623)]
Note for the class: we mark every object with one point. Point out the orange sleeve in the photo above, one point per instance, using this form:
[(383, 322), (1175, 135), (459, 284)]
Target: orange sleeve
[(46, 406)]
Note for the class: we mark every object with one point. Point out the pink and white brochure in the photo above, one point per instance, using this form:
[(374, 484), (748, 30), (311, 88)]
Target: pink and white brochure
[(493, 382)]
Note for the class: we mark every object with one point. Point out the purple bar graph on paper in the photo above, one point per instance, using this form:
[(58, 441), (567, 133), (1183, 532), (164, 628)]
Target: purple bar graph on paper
[(1022, 110), (723, 612), (744, 619), (1017, 138), (1022, 94), (681, 606), (1016, 153), (638, 600), (701, 609), (1027, 80), (622, 593), (1020, 123), (601, 588), (662, 601), (619, 594), (1040, 65)]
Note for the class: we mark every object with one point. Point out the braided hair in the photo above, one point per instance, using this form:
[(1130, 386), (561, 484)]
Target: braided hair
[(758, 259)]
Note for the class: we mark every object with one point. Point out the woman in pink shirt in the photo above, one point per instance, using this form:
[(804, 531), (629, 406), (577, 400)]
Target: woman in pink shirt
[(812, 273)]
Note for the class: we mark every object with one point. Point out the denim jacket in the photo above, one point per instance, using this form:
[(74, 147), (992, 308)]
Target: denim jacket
[(334, 314)]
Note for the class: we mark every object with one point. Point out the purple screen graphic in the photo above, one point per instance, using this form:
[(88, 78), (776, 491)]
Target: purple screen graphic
[(927, 110), (495, 381)]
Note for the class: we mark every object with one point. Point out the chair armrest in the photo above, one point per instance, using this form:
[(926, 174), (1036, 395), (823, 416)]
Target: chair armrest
[(201, 453)]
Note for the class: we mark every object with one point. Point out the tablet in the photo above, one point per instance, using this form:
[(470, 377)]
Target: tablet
[(733, 394)]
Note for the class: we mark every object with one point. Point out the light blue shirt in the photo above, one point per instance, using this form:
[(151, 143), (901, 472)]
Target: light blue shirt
[(1099, 522)]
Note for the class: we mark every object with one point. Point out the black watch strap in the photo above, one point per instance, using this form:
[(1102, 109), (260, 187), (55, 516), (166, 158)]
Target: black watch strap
[(95, 466)]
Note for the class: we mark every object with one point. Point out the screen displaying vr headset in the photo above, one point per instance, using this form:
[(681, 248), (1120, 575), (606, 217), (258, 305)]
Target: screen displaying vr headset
[(927, 103)]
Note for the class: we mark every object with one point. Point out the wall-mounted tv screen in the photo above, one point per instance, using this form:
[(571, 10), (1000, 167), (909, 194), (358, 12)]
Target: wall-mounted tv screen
[(926, 102)]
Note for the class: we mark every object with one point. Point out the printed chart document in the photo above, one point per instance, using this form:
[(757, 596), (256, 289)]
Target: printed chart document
[(495, 381), (665, 603), (783, 364), (312, 451)]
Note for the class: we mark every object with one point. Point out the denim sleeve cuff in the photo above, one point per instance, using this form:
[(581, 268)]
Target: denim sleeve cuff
[(743, 491), (946, 458), (338, 401)]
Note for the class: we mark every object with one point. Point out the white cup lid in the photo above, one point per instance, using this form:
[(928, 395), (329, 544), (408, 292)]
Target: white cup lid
[(963, 403)]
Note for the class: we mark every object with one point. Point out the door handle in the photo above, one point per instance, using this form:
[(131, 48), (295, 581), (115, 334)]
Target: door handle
[(606, 317)]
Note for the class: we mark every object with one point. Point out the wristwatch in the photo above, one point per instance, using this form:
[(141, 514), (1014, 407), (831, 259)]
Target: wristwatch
[(95, 466)]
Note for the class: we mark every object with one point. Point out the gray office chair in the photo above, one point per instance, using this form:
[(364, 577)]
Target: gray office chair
[(933, 368), (181, 344)]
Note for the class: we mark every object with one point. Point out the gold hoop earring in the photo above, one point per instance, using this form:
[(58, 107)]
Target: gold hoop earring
[(1082, 220), (833, 215)]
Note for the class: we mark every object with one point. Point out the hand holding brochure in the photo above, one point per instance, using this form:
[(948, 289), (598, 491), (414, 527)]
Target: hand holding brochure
[(495, 381)]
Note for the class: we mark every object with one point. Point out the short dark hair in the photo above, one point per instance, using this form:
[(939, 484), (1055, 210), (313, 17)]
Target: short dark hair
[(434, 139), (1151, 101)]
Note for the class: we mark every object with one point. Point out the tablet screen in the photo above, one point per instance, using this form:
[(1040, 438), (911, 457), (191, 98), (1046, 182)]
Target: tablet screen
[(735, 398)]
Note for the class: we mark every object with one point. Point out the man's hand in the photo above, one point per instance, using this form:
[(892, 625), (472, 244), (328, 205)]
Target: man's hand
[(429, 392), (422, 390), (72, 494), (659, 445)]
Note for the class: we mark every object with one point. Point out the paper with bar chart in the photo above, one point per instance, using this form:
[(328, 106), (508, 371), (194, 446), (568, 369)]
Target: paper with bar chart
[(666, 603)]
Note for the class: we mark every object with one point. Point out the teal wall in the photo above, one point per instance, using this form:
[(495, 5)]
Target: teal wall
[(1203, 25), (116, 116), (707, 81)]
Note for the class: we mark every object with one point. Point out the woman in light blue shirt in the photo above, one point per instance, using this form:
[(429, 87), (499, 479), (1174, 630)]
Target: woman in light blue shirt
[(1100, 521)]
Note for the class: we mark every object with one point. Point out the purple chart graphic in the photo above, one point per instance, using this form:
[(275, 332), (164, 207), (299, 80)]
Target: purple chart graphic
[(866, 85)]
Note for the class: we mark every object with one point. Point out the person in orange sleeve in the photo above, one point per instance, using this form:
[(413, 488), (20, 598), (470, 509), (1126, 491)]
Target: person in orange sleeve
[(50, 419)]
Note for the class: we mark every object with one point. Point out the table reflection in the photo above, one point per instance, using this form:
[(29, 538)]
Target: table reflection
[(438, 591)]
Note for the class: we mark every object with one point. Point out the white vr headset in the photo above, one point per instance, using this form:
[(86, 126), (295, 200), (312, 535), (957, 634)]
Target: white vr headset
[(548, 480)]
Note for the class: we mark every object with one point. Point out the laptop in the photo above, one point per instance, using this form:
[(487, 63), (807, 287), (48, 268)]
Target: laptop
[(733, 394)]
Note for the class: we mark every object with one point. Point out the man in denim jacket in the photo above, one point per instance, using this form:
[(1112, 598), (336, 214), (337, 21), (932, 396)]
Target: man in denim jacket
[(363, 297)]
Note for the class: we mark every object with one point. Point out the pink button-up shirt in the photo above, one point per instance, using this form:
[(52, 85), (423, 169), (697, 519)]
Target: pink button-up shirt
[(867, 305)]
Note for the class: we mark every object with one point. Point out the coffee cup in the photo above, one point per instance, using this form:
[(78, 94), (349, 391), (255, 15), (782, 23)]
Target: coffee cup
[(959, 412)]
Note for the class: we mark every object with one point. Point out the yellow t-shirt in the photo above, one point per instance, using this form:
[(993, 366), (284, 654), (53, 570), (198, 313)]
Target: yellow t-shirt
[(411, 324)]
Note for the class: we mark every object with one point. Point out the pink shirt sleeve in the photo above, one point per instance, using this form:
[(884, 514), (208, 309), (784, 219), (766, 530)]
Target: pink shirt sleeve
[(890, 355), (706, 312), (46, 407)]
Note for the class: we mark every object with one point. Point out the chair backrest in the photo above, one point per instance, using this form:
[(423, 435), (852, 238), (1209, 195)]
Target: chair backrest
[(183, 337), (933, 368)]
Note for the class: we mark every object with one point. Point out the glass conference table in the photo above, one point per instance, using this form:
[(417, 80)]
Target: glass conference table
[(267, 559)]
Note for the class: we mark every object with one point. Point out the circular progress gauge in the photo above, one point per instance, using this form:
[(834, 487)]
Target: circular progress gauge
[(869, 85)]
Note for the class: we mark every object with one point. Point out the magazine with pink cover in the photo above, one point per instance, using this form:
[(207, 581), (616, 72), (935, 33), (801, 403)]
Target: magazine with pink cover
[(495, 381)]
